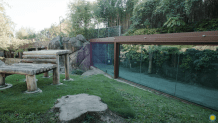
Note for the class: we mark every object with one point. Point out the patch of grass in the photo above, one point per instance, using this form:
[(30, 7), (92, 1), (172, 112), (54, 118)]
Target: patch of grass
[(150, 107), (14, 100), (134, 104)]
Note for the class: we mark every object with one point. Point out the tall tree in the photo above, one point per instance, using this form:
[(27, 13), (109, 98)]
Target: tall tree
[(6, 27), (80, 17)]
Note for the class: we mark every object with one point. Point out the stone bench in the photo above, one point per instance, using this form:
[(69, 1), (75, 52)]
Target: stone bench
[(30, 70)]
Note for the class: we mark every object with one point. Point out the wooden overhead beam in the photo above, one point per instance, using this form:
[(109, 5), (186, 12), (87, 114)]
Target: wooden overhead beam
[(187, 38)]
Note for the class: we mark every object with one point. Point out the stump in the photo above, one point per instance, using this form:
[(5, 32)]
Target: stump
[(73, 108)]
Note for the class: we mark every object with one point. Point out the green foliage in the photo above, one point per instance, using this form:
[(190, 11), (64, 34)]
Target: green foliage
[(162, 54), (174, 13), (80, 17), (207, 25), (144, 31), (195, 60), (114, 12), (77, 71), (143, 14), (174, 22)]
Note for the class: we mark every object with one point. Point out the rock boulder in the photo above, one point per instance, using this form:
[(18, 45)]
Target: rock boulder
[(65, 39), (73, 59), (2, 63), (85, 64), (55, 43), (73, 108), (81, 38), (73, 40)]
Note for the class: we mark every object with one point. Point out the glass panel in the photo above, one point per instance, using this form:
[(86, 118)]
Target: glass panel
[(198, 75), (129, 67), (102, 57), (186, 71)]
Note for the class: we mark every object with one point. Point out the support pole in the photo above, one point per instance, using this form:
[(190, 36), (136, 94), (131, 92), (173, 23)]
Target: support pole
[(116, 60), (2, 79), (31, 83), (46, 74), (66, 64), (56, 76)]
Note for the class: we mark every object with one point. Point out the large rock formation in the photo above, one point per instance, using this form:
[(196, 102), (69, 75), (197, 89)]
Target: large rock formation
[(2, 63), (80, 57), (81, 38), (55, 43)]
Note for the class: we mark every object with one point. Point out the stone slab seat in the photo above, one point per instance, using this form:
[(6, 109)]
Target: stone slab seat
[(28, 69)]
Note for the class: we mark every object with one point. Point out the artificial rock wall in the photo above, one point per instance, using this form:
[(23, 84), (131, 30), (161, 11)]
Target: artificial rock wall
[(80, 47)]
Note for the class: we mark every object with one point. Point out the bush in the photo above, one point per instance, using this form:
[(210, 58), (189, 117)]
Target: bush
[(144, 31), (77, 71)]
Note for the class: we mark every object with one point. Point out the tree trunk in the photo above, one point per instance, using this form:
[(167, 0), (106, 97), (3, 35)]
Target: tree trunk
[(150, 62)]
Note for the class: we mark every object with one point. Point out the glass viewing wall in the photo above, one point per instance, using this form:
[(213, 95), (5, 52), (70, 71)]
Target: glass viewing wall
[(102, 57), (189, 72)]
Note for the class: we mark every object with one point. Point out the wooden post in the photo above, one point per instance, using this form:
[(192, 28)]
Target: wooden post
[(2, 79), (19, 55), (56, 76), (66, 64), (116, 59), (150, 62), (31, 83), (65, 46), (46, 74)]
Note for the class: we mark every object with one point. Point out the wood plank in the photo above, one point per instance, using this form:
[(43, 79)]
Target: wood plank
[(43, 67), (18, 71), (39, 56), (25, 69), (25, 64), (40, 60), (47, 52)]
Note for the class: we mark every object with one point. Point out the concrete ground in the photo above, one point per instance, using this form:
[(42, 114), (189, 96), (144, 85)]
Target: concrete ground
[(200, 95)]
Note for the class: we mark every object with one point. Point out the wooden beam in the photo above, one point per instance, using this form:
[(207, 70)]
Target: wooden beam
[(187, 38), (39, 60), (116, 59), (47, 52), (66, 65), (39, 56)]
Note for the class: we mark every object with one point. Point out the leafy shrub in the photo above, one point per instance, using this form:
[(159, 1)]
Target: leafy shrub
[(195, 60), (144, 31), (77, 71)]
